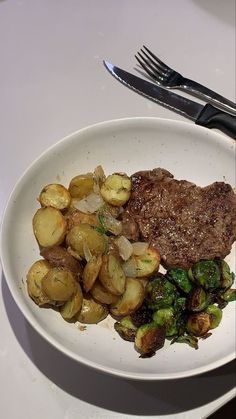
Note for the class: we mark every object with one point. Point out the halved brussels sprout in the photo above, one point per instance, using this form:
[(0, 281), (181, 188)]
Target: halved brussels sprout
[(149, 338), (227, 277), (229, 295), (131, 299), (206, 273), (126, 329), (215, 315), (49, 226), (81, 185), (160, 293), (180, 278), (111, 275), (197, 300), (55, 195), (34, 281), (84, 233), (91, 311), (198, 324), (59, 284), (116, 189)]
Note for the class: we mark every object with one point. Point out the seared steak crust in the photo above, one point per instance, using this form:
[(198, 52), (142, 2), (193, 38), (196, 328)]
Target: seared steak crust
[(185, 222)]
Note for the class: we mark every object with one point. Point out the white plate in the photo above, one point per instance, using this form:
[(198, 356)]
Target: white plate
[(189, 152)]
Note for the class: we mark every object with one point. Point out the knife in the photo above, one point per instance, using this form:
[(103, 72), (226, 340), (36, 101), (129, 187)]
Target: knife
[(207, 116)]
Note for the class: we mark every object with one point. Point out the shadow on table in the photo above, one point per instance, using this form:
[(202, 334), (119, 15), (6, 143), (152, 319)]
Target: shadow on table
[(222, 10), (108, 392)]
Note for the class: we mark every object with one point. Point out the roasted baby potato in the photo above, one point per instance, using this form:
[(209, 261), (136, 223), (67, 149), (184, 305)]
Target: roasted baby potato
[(58, 256), (91, 272), (77, 217), (81, 185), (73, 305), (111, 275), (49, 226), (130, 301), (59, 284), (148, 263), (100, 294), (56, 196), (116, 189), (84, 233), (91, 311), (34, 281)]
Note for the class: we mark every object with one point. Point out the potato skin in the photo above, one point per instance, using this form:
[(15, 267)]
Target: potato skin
[(81, 185), (49, 226), (73, 305), (91, 311), (76, 217), (58, 256), (91, 272), (34, 281), (59, 284), (101, 295), (130, 301), (79, 234), (55, 195)]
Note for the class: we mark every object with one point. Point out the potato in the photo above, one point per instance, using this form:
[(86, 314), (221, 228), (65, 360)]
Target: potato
[(130, 301), (100, 294), (116, 189), (56, 196), (77, 217), (73, 305), (91, 311), (59, 284), (34, 281), (84, 233), (111, 275), (91, 272), (49, 226), (148, 263), (58, 256), (81, 185)]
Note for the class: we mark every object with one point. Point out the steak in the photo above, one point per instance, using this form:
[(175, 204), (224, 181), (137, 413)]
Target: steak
[(185, 222)]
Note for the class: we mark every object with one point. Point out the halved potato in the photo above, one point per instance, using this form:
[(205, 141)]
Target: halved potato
[(148, 263), (34, 281), (91, 311), (111, 275), (49, 226), (73, 305), (59, 284), (116, 189), (84, 233), (56, 196), (131, 300), (81, 185), (100, 294), (58, 256), (91, 272)]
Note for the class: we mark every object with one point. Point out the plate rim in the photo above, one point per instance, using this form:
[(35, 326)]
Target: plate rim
[(26, 311)]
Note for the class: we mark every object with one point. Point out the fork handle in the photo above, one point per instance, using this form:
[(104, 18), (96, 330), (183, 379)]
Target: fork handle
[(211, 117), (208, 95)]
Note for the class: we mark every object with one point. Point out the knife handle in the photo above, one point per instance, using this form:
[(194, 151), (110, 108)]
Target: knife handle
[(211, 117)]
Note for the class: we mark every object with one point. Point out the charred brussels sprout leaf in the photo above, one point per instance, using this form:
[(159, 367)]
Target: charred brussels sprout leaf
[(206, 273), (126, 329), (198, 324), (142, 315), (149, 338), (215, 315), (180, 278), (197, 300), (188, 339), (160, 293)]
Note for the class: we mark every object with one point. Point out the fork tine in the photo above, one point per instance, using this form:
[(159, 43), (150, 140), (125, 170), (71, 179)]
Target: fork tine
[(150, 72), (163, 65), (155, 65)]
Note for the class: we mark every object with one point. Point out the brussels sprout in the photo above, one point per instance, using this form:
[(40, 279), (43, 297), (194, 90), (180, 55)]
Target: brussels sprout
[(142, 315), (229, 295), (215, 315), (206, 273), (165, 317), (149, 338), (180, 278), (160, 293), (197, 300), (188, 339), (180, 304), (126, 329), (198, 324), (227, 277)]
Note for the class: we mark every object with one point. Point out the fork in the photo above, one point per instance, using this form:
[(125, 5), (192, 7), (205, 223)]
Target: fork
[(171, 79)]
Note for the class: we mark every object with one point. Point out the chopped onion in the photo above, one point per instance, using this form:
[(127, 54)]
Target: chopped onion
[(112, 224), (99, 177), (90, 203), (87, 253), (130, 268), (139, 248), (125, 247)]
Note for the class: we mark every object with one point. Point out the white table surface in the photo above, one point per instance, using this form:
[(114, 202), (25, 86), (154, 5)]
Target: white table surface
[(52, 82)]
